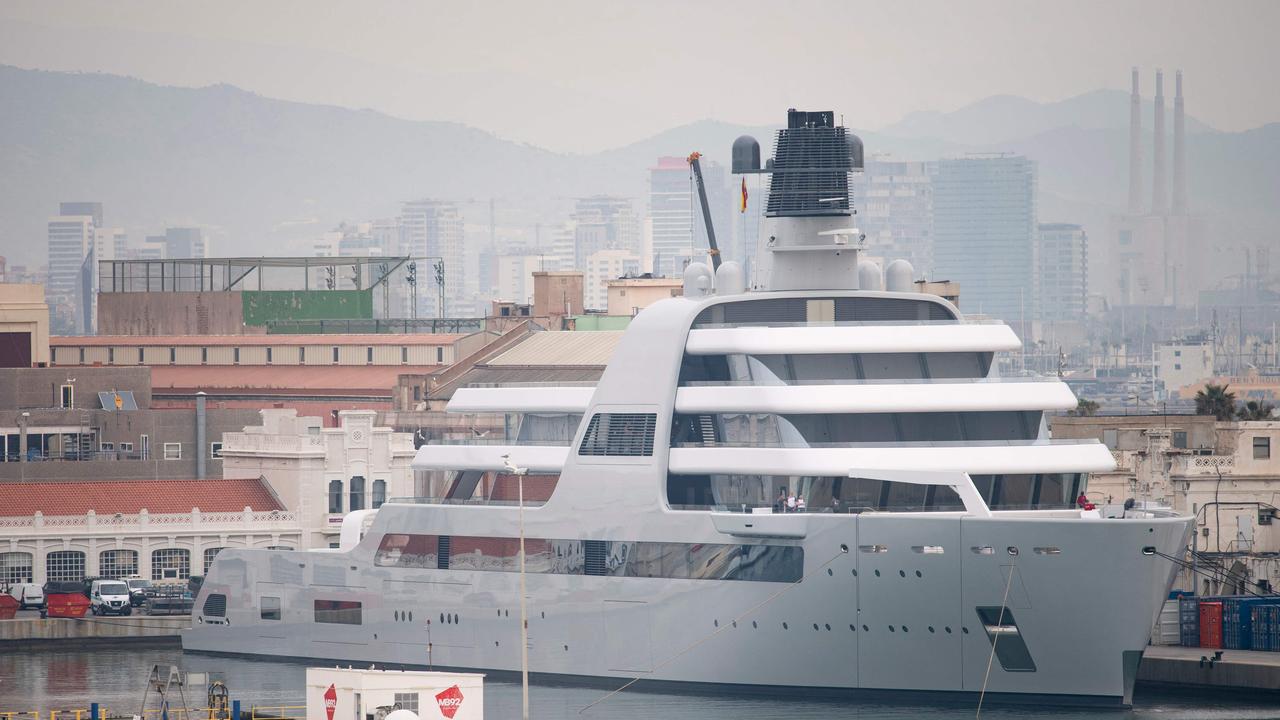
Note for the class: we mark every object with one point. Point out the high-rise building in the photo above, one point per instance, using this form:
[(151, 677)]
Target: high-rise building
[(91, 209), (604, 222), (894, 200), (985, 221), (1062, 274), (432, 231), (185, 242), (678, 233), (71, 237)]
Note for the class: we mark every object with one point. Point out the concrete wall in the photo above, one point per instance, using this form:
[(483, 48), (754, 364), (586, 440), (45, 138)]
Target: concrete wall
[(171, 313), (262, 306), (23, 310), (34, 632), (24, 388)]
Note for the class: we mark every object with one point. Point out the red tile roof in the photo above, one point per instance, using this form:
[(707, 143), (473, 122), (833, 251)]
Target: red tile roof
[(107, 497), (411, 339), (285, 380)]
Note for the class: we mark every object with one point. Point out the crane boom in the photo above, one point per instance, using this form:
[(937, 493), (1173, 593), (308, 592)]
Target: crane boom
[(712, 249)]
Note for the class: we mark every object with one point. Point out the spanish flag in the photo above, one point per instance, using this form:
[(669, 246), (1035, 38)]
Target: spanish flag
[(742, 201)]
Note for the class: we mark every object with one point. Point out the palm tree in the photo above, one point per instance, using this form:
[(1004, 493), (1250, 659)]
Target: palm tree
[(1085, 408), (1216, 401), (1255, 410)]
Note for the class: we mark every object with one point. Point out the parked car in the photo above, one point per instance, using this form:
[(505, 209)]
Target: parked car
[(110, 597), (137, 590), (28, 595)]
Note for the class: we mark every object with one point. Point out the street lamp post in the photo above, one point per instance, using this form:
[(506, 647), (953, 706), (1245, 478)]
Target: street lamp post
[(520, 472)]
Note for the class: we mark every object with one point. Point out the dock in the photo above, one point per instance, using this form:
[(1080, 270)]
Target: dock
[(35, 632), (1247, 670)]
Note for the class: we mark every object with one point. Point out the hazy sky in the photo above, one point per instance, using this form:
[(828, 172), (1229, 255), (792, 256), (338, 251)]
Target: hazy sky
[(582, 76)]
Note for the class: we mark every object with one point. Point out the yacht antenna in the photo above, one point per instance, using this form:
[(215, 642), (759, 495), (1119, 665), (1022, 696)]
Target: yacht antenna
[(520, 472)]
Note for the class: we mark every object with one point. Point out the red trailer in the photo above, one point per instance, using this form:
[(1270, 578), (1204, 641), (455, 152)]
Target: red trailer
[(1211, 624)]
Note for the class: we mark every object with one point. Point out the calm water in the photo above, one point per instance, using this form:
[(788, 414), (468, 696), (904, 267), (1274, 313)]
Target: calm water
[(31, 679)]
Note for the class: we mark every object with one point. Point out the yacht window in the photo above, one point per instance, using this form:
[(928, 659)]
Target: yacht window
[(338, 612), (619, 435), (270, 608), (892, 366), (694, 561)]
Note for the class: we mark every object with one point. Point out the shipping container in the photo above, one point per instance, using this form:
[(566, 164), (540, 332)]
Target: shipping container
[(1211, 624), (1189, 620)]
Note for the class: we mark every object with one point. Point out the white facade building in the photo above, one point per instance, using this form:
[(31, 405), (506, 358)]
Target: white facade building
[(603, 266), (322, 473), (1179, 364)]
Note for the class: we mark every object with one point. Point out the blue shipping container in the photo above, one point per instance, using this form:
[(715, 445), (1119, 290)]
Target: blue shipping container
[(1189, 621)]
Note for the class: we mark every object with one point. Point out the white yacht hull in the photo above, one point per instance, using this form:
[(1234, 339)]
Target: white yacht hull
[(1085, 612)]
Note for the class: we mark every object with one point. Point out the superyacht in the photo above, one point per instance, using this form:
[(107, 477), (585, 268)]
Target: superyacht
[(940, 547)]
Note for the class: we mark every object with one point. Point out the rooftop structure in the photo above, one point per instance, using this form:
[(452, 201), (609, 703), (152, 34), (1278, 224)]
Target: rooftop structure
[(24, 326)]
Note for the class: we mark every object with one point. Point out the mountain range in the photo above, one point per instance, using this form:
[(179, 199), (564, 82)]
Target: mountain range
[(270, 173)]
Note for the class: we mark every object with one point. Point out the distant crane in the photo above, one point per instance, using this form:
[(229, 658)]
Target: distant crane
[(712, 249)]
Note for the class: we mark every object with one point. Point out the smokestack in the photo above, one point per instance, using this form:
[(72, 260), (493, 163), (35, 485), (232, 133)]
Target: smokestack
[(1179, 150), (1135, 148), (1159, 190)]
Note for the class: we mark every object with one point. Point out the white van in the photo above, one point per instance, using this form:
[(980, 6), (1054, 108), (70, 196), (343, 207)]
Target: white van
[(28, 595), (110, 597)]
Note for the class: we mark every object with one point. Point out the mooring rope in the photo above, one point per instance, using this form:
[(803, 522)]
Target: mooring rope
[(1004, 603)]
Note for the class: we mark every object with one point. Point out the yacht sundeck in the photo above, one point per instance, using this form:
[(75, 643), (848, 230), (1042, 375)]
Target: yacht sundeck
[(940, 548)]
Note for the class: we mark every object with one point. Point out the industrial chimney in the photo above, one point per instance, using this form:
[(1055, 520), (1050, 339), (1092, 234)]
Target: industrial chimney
[(1159, 190), (1135, 148), (1179, 151)]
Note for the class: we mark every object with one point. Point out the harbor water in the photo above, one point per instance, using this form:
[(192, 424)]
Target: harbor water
[(116, 678)]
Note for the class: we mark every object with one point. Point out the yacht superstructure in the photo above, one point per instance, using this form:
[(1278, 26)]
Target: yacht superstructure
[(939, 536)]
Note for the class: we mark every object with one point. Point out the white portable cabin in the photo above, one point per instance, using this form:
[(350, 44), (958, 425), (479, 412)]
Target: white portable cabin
[(353, 694)]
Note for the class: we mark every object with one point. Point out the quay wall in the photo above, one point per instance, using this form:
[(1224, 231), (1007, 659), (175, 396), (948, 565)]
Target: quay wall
[(49, 632)]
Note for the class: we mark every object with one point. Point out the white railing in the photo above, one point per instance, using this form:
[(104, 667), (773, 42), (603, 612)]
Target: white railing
[(39, 523)]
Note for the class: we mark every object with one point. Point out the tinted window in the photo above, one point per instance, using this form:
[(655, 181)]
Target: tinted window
[(270, 608), (338, 612)]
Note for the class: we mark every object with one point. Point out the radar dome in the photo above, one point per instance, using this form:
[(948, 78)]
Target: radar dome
[(730, 279), (869, 275), (899, 276), (697, 280)]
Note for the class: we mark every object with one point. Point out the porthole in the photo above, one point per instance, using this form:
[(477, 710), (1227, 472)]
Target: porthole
[(716, 623), (844, 548), (855, 572), (544, 614), (830, 572), (964, 630), (754, 626), (499, 613), (919, 574), (866, 629), (441, 618), (566, 648), (906, 629), (397, 615), (455, 618), (495, 643), (931, 629), (902, 573), (735, 624), (948, 629), (815, 626), (891, 629), (784, 626), (877, 573), (853, 629), (827, 626), (410, 616)]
